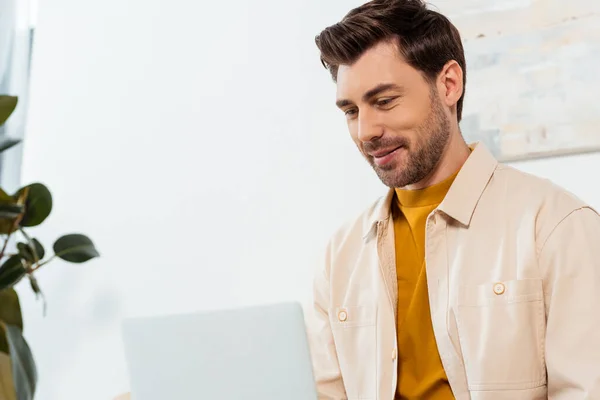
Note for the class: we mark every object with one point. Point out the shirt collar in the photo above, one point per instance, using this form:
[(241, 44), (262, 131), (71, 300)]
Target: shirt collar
[(462, 197)]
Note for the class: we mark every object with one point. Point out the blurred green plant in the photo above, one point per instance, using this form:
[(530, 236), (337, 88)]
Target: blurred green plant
[(26, 208)]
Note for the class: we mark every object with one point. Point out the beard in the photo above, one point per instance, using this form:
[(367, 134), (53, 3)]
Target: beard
[(419, 159)]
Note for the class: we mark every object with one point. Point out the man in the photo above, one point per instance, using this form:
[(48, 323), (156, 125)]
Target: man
[(469, 279)]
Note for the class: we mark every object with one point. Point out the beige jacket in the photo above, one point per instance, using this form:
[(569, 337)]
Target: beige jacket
[(513, 267)]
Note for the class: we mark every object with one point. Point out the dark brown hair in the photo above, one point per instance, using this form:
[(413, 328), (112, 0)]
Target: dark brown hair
[(426, 39)]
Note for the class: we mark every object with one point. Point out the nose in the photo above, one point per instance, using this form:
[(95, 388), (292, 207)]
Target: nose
[(368, 128)]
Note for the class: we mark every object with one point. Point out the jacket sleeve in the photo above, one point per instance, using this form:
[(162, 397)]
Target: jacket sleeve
[(570, 263), (326, 367)]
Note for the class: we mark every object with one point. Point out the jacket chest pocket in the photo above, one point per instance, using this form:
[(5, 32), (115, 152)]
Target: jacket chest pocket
[(501, 328), (355, 334)]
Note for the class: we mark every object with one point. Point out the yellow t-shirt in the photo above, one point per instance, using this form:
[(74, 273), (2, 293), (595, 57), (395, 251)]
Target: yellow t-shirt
[(420, 371)]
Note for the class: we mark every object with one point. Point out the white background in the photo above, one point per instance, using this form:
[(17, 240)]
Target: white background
[(197, 143)]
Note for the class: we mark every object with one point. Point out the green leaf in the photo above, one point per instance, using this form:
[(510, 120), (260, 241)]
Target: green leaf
[(10, 312), (27, 253), (7, 143), (6, 198), (7, 388), (11, 272), (10, 211), (35, 286), (7, 106), (38, 204), (23, 365), (8, 225), (75, 248), (10, 308)]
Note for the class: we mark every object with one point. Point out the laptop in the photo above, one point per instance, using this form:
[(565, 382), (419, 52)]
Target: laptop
[(254, 353)]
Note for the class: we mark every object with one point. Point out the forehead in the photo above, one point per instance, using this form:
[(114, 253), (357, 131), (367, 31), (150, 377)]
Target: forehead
[(380, 64)]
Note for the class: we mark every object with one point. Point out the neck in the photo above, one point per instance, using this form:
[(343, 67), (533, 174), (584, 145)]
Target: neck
[(454, 156)]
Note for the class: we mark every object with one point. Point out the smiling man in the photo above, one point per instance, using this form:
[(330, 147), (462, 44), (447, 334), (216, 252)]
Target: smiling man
[(468, 279)]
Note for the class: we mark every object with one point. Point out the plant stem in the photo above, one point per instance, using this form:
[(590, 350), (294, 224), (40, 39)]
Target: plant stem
[(40, 265), (60, 253), (4, 246), (33, 250)]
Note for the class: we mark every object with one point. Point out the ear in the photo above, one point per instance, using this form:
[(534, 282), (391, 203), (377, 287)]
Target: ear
[(450, 83)]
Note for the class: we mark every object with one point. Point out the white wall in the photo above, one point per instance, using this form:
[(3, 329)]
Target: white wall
[(197, 143)]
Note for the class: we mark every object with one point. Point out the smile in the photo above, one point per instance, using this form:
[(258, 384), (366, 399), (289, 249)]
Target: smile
[(384, 158)]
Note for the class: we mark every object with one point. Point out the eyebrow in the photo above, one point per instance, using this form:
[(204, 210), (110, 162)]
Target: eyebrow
[(382, 87)]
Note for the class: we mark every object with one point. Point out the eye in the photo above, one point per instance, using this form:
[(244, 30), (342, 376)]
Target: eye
[(385, 102), (350, 112)]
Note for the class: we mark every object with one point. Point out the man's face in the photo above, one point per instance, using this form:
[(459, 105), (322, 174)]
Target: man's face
[(394, 115)]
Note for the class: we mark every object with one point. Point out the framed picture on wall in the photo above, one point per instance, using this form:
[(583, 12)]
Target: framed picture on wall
[(532, 85)]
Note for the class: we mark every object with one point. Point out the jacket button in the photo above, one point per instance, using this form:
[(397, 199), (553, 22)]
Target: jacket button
[(342, 316), (499, 288)]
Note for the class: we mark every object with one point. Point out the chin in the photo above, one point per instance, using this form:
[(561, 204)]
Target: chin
[(394, 168), (390, 178)]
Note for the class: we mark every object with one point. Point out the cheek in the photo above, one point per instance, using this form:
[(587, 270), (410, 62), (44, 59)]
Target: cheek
[(407, 124), (412, 124), (407, 117)]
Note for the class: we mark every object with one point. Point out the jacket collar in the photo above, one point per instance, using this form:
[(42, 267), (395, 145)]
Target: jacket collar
[(462, 197)]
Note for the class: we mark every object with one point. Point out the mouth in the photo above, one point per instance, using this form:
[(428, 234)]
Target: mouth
[(383, 157)]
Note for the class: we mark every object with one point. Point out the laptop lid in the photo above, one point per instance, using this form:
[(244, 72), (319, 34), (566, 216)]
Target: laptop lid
[(254, 353)]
